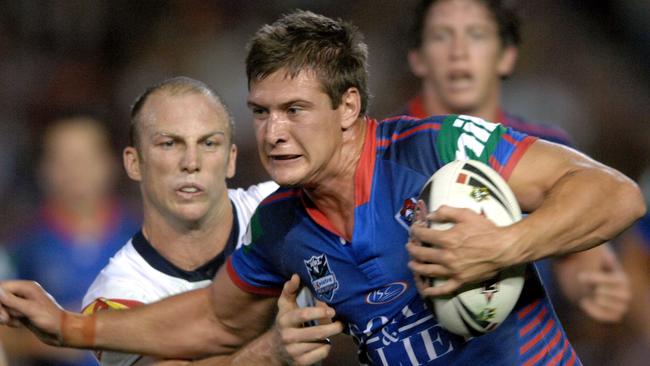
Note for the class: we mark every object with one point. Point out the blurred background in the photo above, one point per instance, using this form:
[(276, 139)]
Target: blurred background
[(583, 66)]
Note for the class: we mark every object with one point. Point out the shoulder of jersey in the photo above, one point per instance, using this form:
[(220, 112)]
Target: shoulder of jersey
[(282, 195)]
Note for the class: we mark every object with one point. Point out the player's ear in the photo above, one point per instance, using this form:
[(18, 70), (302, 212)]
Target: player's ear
[(131, 161), (232, 161), (507, 61), (350, 107), (417, 64)]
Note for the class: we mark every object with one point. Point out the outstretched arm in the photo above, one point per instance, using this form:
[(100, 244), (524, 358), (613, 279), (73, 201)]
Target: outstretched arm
[(289, 342), (595, 281), (183, 326), (576, 203)]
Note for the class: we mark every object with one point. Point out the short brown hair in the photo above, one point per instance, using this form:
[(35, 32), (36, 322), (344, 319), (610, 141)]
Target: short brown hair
[(175, 86), (503, 11), (333, 49)]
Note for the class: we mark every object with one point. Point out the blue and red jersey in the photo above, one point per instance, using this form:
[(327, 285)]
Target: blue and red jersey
[(366, 278)]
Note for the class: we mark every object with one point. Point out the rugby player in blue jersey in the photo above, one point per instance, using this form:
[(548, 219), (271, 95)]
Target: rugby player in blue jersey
[(462, 50), (336, 223)]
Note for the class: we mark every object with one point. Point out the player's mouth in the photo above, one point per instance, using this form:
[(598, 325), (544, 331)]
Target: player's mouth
[(189, 191), (460, 80), (284, 158)]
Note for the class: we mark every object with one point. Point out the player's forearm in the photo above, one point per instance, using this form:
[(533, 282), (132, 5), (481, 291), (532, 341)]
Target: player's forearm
[(262, 351), (585, 208), (181, 326), (567, 268)]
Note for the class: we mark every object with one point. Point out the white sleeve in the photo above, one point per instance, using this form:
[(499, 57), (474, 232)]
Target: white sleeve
[(247, 200), (113, 289)]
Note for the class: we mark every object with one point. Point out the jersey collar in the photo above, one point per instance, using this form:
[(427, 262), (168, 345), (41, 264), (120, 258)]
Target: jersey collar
[(202, 273)]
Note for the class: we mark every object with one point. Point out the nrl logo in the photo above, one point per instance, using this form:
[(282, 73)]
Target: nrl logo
[(480, 193), (323, 280)]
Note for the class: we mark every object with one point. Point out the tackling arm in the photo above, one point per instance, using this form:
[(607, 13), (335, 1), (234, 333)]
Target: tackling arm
[(182, 326), (595, 281)]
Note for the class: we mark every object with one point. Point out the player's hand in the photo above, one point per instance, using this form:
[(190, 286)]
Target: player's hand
[(299, 344), (26, 303), (472, 250), (606, 291)]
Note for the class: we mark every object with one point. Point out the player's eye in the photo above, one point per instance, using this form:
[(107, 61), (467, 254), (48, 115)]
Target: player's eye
[(439, 35), (211, 143), (168, 143), (478, 34), (259, 112)]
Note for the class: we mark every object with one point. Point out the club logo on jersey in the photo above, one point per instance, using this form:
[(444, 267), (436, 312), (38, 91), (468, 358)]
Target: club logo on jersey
[(409, 212), (406, 214), (387, 293), (323, 280)]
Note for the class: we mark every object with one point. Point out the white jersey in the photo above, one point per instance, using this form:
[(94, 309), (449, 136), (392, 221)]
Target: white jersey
[(138, 274)]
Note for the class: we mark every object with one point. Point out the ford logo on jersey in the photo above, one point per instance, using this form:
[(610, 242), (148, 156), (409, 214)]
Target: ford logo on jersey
[(387, 293)]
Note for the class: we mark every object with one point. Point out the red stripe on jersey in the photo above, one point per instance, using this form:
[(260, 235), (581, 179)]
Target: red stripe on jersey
[(280, 195), (362, 180), (526, 310), (366, 166), (422, 127), (385, 142), (558, 357), (547, 328), (572, 360), (533, 323), (494, 164), (319, 217), (239, 282), (521, 148), (545, 350), (509, 139), (402, 117)]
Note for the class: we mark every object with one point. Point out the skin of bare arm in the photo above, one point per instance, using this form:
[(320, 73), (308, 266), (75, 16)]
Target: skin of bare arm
[(571, 198), (288, 342), (637, 263), (181, 326), (595, 281)]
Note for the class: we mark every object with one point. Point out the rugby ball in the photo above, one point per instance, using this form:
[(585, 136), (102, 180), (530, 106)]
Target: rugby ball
[(478, 308)]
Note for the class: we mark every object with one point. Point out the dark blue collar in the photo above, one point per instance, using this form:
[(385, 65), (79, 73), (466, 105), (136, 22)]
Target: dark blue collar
[(204, 272)]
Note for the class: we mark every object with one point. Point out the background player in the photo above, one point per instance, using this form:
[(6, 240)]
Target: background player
[(309, 107), (462, 51), (80, 224), (181, 153)]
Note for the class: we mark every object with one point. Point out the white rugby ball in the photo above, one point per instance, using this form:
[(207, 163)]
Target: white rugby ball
[(478, 308)]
